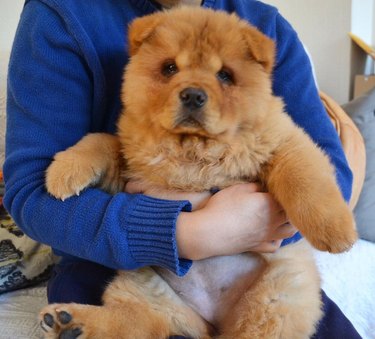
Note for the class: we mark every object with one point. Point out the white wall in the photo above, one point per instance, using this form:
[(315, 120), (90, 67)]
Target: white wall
[(363, 12), (9, 15), (363, 25)]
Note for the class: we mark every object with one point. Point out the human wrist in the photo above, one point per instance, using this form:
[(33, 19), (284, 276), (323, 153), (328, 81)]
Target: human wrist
[(190, 236), (150, 225)]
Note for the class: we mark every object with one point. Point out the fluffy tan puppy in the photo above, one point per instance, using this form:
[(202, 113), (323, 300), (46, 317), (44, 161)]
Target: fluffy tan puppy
[(206, 118)]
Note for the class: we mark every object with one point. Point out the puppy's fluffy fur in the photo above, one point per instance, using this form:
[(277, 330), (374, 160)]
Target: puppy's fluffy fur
[(199, 114)]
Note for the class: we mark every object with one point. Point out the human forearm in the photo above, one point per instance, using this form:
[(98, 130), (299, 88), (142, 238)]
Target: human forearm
[(122, 231)]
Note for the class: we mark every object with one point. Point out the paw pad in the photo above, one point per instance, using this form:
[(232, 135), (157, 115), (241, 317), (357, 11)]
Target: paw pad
[(71, 333), (48, 320), (57, 321), (64, 317)]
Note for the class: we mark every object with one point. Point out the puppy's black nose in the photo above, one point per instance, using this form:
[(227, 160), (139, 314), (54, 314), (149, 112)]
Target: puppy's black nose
[(193, 98)]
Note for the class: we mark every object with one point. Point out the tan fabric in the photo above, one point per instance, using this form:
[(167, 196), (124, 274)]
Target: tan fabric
[(352, 142)]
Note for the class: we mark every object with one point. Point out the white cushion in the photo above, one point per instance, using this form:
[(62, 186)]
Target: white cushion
[(4, 59)]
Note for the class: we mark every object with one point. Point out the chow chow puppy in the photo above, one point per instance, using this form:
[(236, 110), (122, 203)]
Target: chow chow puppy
[(206, 118)]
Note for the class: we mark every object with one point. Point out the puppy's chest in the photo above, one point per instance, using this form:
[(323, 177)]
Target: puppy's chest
[(196, 165)]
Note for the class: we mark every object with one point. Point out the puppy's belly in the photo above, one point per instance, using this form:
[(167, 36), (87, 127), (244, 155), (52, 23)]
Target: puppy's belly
[(213, 286)]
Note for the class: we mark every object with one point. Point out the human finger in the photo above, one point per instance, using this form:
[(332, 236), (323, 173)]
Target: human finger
[(267, 246), (252, 187), (135, 187), (284, 231), (198, 200)]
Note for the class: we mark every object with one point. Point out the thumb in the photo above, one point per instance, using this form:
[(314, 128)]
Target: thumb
[(256, 187), (134, 187)]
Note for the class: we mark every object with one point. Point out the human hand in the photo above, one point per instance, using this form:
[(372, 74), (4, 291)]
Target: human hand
[(237, 219), (197, 200)]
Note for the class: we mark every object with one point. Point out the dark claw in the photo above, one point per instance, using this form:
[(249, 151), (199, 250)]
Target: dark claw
[(71, 333), (48, 320), (64, 317)]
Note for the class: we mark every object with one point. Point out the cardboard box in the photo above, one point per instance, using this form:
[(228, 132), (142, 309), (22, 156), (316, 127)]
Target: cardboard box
[(362, 84)]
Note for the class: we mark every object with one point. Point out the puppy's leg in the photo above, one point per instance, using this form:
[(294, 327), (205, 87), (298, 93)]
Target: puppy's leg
[(144, 288), (137, 304), (284, 303), (83, 321), (94, 160), (97, 322), (302, 179)]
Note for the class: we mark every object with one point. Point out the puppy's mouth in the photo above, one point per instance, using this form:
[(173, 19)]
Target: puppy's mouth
[(190, 120), (191, 113)]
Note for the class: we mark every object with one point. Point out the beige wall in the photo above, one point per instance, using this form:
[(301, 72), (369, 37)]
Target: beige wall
[(323, 26)]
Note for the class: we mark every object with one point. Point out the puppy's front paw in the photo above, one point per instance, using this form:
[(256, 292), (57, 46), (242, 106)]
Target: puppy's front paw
[(69, 174), (334, 231)]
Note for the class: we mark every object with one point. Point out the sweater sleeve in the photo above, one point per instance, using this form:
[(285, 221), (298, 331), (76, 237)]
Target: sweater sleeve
[(49, 107), (294, 82)]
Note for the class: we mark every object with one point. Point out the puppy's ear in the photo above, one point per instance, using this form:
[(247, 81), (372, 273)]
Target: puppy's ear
[(261, 48), (140, 30)]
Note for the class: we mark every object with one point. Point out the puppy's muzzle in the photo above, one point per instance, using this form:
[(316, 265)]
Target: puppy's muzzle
[(193, 98), (193, 101)]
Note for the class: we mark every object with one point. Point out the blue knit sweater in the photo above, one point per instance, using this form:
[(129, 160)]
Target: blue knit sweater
[(64, 81)]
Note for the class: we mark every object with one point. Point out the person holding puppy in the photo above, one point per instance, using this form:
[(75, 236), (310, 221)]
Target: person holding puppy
[(64, 82)]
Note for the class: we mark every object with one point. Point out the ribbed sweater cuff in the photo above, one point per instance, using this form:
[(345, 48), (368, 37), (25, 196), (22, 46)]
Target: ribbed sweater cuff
[(151, 232)]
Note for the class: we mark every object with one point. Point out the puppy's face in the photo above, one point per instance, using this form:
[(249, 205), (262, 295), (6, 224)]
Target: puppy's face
[(197, 72)]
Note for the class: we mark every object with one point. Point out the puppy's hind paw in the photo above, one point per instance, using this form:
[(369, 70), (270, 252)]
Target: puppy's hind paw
[(59, 323)]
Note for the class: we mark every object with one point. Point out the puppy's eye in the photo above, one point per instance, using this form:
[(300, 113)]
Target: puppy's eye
[(169, 68), (225, 76)]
